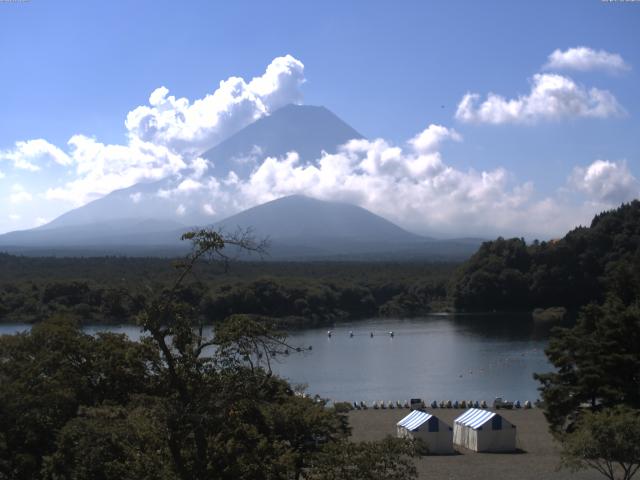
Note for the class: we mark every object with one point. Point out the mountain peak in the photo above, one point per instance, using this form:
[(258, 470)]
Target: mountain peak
[(306, 129)]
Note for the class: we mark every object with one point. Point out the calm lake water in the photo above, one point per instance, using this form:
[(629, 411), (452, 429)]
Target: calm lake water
[(435, 358)]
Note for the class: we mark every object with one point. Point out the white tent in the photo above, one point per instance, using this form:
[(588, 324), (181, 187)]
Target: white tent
[(484, 431), (437, 435)]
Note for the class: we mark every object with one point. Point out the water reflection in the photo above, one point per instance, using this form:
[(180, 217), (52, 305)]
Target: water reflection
[(511, 326)]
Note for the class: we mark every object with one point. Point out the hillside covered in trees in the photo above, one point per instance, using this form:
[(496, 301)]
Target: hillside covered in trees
[(583, 267), (109, 289)]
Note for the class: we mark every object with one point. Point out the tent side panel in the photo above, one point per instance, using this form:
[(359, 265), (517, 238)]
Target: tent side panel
[(458, 435), (475, 436), (445, 440), (503, 440)]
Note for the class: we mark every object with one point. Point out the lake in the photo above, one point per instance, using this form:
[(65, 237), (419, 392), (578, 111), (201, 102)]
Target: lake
[(435, 358)]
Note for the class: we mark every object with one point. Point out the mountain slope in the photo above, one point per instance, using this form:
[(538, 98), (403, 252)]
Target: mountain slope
[(298, 227), (308, 130), (303, 228), (305, 219)]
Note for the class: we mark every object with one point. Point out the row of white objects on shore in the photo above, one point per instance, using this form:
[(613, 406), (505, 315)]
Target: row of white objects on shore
[(419, 404)]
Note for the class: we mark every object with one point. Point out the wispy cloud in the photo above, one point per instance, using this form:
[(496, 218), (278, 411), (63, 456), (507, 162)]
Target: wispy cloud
[(586, 59), (19, 195), (27, 154)]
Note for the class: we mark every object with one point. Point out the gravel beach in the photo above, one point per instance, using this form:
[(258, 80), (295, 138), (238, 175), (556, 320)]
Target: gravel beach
[(537, 457)]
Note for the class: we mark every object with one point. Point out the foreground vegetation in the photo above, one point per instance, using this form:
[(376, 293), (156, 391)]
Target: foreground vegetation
[(175, 405)]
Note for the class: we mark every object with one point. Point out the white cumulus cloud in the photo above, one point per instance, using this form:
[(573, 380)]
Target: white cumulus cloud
[(606, 182), (193, 127), (430, 139), (102, 168), (552, 97), (586, 59)]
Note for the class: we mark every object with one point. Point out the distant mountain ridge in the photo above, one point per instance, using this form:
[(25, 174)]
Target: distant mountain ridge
[(297, 227), (307, 130), (147, 219), (305, 218)]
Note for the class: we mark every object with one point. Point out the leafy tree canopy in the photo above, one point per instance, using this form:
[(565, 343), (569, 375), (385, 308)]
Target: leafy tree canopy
[(607, 441), (597, 364)]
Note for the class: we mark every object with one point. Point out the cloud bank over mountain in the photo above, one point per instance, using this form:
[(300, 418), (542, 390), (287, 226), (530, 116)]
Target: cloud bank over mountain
[(415, 187), (163, 137), (411, 184)]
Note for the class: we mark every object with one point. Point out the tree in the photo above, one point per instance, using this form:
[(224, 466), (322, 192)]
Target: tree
[(597, 364), (46, 375), (109, 442), (607, 441)]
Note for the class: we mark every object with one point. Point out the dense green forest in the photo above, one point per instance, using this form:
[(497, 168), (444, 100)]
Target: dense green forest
[(109, 289), (585, 266)]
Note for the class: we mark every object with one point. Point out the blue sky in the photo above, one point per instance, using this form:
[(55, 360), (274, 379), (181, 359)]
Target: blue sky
[(389, 69)]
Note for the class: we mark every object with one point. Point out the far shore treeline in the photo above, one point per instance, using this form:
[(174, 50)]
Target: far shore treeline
[(107, 289), (585, 266)]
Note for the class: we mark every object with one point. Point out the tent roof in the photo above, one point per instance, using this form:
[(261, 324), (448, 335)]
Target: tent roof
[(475, 418), (412, 421)]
